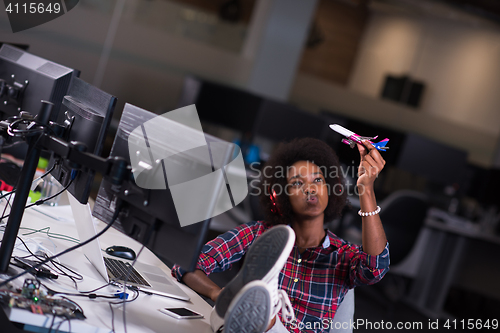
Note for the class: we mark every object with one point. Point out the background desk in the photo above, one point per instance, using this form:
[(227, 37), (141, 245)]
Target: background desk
[(447, 244), (450, 251), (142, 315)]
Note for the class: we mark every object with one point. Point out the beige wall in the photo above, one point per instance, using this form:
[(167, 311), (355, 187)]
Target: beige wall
[(315, 95), (459, 62)]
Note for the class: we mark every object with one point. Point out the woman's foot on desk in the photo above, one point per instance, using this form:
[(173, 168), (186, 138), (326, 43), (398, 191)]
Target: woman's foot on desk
[(250, 310), (253, 295), (264, 260)]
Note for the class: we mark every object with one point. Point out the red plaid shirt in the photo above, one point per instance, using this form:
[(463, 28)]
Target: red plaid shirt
[(316, 280)]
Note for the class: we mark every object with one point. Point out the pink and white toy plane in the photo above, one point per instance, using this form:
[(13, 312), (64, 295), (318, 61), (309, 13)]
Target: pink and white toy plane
[(353, 138)]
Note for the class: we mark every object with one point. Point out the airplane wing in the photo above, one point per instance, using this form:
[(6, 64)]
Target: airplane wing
[(345, 132), (341, 130)]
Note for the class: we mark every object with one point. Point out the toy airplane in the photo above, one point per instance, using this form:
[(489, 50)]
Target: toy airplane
[(353, 138)]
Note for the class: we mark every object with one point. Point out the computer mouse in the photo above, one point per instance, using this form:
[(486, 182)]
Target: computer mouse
[(121, 252)]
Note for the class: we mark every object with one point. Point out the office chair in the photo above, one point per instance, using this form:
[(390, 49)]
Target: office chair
[(344, 314), (403, 215)]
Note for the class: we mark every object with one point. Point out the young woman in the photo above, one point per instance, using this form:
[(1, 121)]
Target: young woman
[(302, 187)]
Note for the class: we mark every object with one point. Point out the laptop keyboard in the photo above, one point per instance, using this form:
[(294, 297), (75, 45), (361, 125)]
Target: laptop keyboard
[(119, 270)]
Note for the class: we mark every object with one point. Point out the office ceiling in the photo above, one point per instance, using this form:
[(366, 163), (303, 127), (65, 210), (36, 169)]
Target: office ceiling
[(228, 10), (461, 10), (487, 8), (241, 10)]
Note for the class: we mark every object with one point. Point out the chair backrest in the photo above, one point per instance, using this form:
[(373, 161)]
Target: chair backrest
[(345, 315), (403, 215)]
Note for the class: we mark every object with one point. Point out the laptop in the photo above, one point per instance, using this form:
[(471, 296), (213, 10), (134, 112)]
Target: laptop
[(149, 278)]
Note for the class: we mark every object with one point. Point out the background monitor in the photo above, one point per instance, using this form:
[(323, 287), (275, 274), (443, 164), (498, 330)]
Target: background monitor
[(147, 209), (484, 185), (491, 194), (220, 104), (86, 112), (437, 162), (280, 121)]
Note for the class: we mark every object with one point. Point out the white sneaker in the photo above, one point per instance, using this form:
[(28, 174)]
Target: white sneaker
[(264, 260), (250, 310), (216, 322)]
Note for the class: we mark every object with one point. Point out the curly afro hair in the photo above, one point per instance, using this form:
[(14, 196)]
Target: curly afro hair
[(274, 176)]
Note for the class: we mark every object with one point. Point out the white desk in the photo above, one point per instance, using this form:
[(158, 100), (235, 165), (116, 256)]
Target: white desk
[(142, 315)]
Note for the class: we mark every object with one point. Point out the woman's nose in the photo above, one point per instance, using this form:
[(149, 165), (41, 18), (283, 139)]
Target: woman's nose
[(310, 189)]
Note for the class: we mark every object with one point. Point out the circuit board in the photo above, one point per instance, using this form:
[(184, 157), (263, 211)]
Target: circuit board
[(33, 299)]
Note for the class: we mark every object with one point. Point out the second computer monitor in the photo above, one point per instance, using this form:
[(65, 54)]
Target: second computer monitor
[(149, 214), (220, 104), (86, 113), (437, 162)]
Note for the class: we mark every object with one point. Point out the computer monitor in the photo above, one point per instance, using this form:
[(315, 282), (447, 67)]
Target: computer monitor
[(86, 113), (437, 162), (26, 80), (483, 185), (149, 215), (278, 121), (491, 194), (221, 105)]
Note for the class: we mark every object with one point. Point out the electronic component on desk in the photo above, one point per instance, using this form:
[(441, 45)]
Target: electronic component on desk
[(31, 289), (33, 299), (39, 271)]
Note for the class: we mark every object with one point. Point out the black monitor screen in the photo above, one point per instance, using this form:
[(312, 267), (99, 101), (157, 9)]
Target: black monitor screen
[(484, 185), (279, 121), (86, 112), (437, 162), (221, 105), (491, 195)]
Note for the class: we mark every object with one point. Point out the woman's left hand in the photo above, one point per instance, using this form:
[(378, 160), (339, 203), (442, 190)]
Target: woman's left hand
[(370, 165)]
